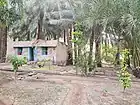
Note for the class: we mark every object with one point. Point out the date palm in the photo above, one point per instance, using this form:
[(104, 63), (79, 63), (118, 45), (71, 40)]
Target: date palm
[(8, 15), (44, 19), (118, 17)]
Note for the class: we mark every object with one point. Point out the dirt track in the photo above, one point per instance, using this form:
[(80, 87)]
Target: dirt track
[(1, 103), (42, 89)]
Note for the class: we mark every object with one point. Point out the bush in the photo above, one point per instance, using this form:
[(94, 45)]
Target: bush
[(108, 53), (41, 64), (124, 75), (17, 62)]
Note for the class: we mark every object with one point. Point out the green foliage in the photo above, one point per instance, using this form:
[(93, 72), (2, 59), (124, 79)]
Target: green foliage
[(78, 38), (2, 3), (17, 62), (9, 12), (124, 75), (41, 64), (118, 17), (82, 54), (108, 53)]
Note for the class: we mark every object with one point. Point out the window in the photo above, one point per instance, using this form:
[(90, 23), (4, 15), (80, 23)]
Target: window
[(20, 49), (44, 50)]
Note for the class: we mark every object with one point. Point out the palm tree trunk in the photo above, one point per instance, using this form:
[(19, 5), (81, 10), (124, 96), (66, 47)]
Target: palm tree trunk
[(28, 36), (75, 52), (118, 52), (98, 52), (39, 30), (3, 44), (40, 24), (106, 46), (64, 36), (69, 37), (90, 59), (98, 45)]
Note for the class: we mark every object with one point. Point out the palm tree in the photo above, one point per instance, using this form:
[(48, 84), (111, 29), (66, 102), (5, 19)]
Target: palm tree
[(7, 17), (120, 18), (89, 16), (3, 32), (44, 19)]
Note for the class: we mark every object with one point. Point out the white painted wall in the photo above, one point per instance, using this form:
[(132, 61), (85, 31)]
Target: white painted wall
[(51, 54), (61, 54), (10, 49)]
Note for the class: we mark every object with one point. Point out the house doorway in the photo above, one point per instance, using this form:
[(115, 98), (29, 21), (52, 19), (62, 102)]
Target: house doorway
[(31, 54)]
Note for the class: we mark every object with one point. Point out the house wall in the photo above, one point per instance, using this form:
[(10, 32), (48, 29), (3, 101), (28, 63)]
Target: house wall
[(51, 54), (38, 54), (61, 54), (24, 52), (10, 49), (57, 55)]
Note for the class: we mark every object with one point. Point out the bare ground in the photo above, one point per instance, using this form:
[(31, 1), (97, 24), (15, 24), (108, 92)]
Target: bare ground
[(42, 89)]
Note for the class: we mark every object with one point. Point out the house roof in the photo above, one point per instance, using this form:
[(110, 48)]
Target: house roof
[(39, 43)]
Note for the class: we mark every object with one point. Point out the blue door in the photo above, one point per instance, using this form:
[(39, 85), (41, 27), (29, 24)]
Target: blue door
[(31, 54)]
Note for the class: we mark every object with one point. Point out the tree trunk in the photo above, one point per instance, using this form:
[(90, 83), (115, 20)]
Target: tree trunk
[(69, 37), (106, 46), (40, 24), (98, 58), (98, 52), (118, 52), (3, 44), (90, 59), (39, 30), (75, 52), (28, 36), (64, 36)]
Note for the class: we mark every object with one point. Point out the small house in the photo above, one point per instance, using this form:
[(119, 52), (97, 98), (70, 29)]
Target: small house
[(41, 50)]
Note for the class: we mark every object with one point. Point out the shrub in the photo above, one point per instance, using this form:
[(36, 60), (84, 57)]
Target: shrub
[(17, 62), (124, 75), (108, 53), (41, 64)]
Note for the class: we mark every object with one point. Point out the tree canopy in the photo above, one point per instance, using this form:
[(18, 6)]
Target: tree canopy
[(120, 18)]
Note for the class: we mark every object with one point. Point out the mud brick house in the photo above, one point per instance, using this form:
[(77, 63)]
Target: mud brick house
[(39, 50)]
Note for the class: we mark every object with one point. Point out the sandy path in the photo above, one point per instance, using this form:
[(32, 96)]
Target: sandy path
[(75, 95), (81, 90), (1, 103)]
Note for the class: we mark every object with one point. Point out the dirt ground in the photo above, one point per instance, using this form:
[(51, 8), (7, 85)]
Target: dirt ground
[(43, 89)]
